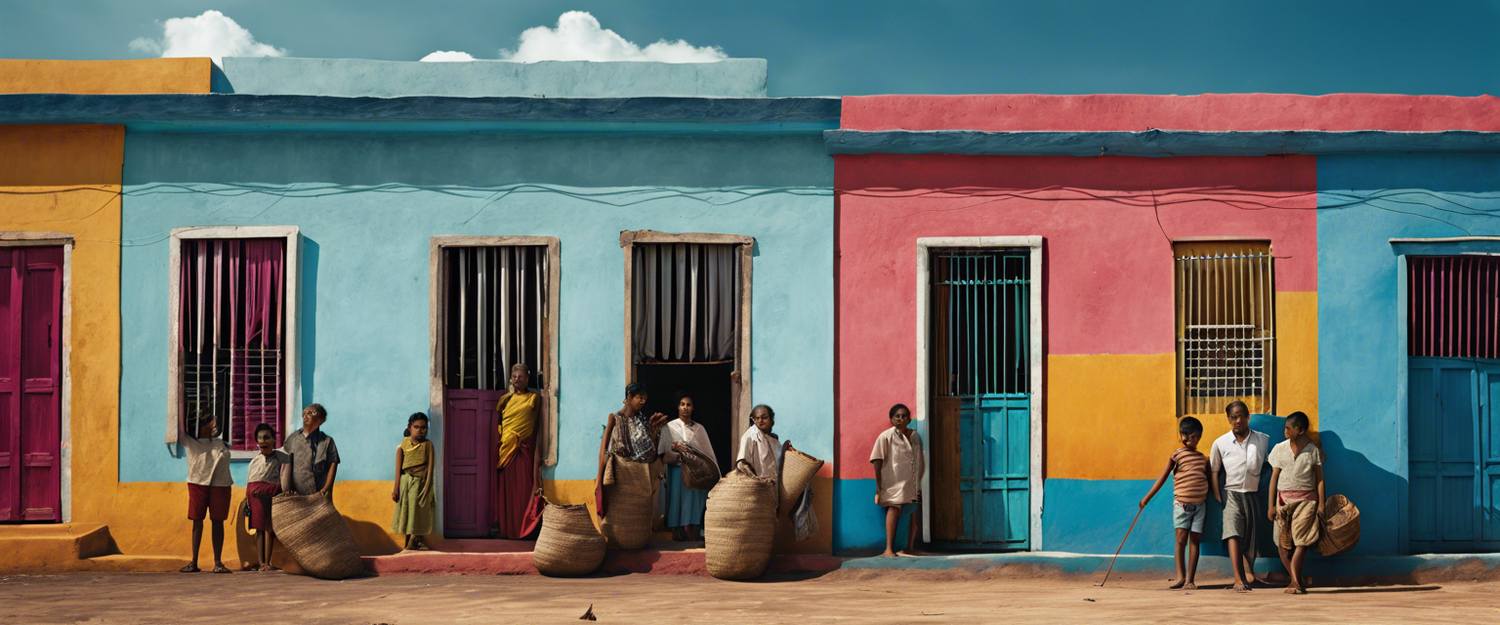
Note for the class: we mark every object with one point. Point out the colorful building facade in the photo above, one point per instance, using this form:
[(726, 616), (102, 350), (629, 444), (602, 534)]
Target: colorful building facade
[(1048, 282)]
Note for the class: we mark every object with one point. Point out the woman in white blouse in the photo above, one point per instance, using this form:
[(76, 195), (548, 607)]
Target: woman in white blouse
[(684, 507), (760, 446)]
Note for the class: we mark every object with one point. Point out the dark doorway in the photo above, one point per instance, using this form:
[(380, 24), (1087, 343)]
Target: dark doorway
[(709, 383)]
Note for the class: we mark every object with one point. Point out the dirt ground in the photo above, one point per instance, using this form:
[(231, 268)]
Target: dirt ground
[(851, 596)]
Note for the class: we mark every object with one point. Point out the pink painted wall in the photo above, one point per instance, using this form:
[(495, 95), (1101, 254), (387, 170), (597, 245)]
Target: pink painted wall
[(1103, 247), (1339, 112)]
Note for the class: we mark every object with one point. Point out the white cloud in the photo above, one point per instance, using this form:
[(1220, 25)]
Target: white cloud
[(579, 37), (212, 34), (443, 56)]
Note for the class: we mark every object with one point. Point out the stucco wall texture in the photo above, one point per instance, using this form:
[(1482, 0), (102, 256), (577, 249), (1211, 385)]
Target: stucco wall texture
[(367, 205)]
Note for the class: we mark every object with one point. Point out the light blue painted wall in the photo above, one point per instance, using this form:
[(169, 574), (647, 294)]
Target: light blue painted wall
[(1364, 202), (367, 205), (732, 78)]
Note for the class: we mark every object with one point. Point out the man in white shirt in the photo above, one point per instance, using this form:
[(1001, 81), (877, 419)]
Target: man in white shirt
[(1239, 456)]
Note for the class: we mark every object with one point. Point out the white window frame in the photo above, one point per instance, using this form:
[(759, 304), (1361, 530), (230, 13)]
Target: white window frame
[(293, 390), (925, 245)]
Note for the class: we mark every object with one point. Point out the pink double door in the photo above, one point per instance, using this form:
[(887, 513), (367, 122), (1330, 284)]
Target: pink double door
[(30, 384)]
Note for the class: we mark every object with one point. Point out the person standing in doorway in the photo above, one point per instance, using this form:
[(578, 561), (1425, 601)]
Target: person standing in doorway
[(519, 476), (685, 506), (1237, 458), (899, 466)]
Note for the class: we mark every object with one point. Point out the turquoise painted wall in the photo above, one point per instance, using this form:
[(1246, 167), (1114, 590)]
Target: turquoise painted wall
[(367, 205), (1365, 201)]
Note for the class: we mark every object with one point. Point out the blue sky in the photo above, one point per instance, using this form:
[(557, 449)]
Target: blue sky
[(837, 47)]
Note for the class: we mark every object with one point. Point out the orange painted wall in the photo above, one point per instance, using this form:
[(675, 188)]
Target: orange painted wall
[(104, 77)]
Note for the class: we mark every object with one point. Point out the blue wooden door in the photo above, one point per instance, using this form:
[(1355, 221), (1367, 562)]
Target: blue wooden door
[(981, 335), (1453, 455)]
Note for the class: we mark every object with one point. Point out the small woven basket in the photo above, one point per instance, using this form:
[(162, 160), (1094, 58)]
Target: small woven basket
[(797, 471), (740, 525), (698, 471), (316, 535), (1340, 526), (569, 545)]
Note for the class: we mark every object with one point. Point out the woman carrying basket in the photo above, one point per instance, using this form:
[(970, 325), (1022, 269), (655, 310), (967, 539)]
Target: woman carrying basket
[(684, 506)]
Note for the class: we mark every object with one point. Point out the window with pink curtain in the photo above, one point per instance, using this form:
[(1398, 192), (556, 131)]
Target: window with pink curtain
[(233, 322), (1454, 306)]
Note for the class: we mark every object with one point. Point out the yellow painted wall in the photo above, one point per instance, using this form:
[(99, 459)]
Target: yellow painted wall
[(104, 77), (1112, 417), (66, 179)]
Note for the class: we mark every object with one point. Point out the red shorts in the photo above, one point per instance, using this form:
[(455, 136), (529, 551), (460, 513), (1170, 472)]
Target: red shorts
[(211, 499), (260, 494)]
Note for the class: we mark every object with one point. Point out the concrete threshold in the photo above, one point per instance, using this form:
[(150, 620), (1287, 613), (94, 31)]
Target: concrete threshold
[(1343, 569)]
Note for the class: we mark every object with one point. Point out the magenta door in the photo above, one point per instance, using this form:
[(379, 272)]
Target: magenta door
[(30, 383), (469, 422)]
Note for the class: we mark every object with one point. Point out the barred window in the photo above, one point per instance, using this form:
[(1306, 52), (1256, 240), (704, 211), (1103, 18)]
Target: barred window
[(1226, 327), (1454, 306)]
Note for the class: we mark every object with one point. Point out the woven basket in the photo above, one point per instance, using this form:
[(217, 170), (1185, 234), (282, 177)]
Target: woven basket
[(317, 537), (1340, 526), (797, 470), (740, 526), (627, 522), (699, 472), (569, 545)]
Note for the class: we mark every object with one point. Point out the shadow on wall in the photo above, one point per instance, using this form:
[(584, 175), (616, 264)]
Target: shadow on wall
[(309, 320), (480, 161)]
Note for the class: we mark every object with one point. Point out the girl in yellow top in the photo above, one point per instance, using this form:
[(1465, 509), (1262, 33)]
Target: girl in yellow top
[(413, 490), (520, 465)]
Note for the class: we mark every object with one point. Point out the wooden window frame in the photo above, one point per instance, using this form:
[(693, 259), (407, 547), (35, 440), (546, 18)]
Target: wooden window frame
[(65, 436), (925, 246), (292, 378), (741, 398), (1271, 370)]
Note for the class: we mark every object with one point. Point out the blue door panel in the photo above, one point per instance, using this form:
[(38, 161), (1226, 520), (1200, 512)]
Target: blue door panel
[(1454, 455)]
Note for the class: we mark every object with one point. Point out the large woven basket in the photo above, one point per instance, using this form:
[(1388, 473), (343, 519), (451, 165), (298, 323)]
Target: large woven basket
[(740, 526), (699, 472), (568, 545), (627, 522), (317, 537), (1340, 526), (797, 471)]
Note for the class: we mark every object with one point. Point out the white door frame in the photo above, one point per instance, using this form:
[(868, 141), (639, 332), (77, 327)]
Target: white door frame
[(65, 418), (919, 410)]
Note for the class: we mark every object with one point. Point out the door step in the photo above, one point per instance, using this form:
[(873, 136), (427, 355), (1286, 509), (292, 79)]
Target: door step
[(51, 547)]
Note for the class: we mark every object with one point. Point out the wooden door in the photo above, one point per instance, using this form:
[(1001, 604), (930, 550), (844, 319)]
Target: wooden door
[(30, 383), (1454, 459), (469, 441)]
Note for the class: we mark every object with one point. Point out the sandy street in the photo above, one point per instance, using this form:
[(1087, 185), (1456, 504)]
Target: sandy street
[(845, 596)]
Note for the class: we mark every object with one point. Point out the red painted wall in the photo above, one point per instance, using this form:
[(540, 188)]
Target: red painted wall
[(1103, 246), (1339, 112)]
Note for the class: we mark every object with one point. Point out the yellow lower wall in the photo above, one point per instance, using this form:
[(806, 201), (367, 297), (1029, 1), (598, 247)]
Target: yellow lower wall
[(180, 75), (1112, 417)]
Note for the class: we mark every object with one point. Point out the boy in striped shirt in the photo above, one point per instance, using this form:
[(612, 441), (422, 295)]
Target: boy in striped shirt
[(1190, 487)]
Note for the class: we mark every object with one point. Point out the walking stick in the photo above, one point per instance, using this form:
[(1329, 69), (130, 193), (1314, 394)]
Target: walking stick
[(1122, 544)]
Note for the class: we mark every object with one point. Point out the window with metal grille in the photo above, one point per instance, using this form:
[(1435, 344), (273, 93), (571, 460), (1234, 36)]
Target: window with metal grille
[(1226, 327), (685, 302), (497, 309), (232, 327), (981, 322), (1454, 306)]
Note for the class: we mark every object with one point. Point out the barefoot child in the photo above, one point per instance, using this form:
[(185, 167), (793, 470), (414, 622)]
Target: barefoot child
[(1238, 457), (899, 465), (208, 486), (413, 489), (1190, 486), (1296, 497), (265, 482), (760, 446)]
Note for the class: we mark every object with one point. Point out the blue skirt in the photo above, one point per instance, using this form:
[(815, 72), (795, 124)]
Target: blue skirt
[(682, 505)]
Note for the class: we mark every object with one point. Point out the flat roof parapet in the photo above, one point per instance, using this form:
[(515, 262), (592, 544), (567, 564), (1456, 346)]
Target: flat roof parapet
[(731, 78)]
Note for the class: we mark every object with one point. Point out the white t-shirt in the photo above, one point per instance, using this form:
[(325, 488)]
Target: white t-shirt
[(1241, 460), (1296, 470), (901, 466), (208, 461), (265, 468)]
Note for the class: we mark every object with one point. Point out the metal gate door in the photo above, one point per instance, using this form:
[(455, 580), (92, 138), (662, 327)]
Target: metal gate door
[(981, 320), (30, 383)]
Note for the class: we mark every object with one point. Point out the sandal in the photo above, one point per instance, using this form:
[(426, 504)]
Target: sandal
[(191, 568), (221, 569)]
